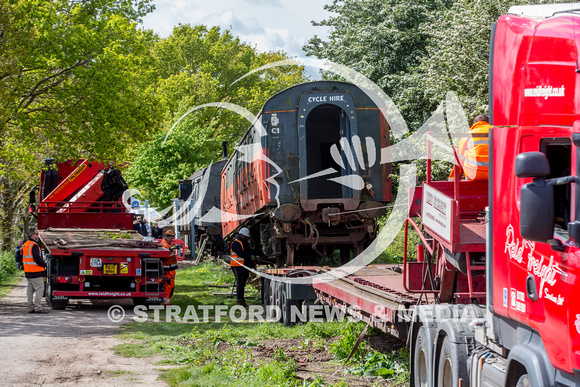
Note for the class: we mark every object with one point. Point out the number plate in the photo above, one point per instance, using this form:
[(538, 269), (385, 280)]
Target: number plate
[(110, 268), (96, 262)]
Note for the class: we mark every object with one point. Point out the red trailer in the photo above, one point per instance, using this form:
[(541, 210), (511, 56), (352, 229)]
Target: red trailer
[(491, 298), (87, 238)]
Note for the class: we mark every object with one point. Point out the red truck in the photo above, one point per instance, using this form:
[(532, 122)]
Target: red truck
[(490, 299), (87, 238)]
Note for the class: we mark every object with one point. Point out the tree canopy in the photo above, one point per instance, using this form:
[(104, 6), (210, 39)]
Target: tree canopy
[(416, 51), (72, 78), (198, 65)]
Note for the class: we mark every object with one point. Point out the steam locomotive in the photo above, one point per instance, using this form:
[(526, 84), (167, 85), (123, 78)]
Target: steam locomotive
[(306, 179)]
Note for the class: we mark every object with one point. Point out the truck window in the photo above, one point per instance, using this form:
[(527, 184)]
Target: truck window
[(559, 153)]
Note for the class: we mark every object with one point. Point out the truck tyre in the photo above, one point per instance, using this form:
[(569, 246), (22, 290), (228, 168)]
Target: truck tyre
[(274, 309), (524, 381), (55, 305), (138, 301), (447, 369), (277, 302), (422, 359), (266, 292), (287, 304)]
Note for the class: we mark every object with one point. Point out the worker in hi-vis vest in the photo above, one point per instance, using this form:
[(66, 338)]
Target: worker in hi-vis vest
[(475, 150), (169, 266), (240, 257), (34, 271)]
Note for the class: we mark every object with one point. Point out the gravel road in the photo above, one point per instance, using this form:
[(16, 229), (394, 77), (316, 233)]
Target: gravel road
[(70, 347)]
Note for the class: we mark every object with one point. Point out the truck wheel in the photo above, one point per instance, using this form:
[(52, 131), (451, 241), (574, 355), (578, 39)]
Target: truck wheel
[(58, 305), (277, 302), (524, 381), (422, 360), (138, 301), (55, 305), (448, 374), (287, 317), (266, 292)]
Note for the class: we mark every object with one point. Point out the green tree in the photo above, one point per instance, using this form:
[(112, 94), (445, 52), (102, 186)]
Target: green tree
[(381, 39), (416, 51), (73, 76), (198, 65)]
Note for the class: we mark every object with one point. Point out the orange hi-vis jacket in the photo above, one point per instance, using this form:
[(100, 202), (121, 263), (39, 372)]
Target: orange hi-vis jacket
[(475, 152), (28, 260), (236, 260), (170, 263)]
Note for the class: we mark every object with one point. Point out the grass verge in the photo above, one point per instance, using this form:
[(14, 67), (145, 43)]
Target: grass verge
[(253, 354), (9, 275)]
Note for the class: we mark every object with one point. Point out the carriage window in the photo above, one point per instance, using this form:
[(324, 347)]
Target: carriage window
[(559, 153)]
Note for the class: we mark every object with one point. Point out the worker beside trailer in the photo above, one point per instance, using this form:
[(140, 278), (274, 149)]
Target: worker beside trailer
[(34, 271)]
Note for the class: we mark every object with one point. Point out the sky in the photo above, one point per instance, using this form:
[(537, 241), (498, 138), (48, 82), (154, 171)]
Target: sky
[(270, 25)]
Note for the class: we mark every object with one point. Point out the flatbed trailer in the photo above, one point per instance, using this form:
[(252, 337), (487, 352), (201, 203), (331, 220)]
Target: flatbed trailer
[(97, 263), (87, 238)]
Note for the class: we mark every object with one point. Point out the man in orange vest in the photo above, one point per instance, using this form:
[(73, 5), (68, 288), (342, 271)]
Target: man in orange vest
[(169, 266), (34, 271), (475, 150), (241, 256)]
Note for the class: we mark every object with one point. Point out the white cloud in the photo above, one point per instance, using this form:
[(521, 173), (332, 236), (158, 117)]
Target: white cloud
[(229, 20), (270, 25)]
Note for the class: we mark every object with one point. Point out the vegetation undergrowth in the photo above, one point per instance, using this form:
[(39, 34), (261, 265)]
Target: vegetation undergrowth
[(367, 362), (9, 275), (224, 353)]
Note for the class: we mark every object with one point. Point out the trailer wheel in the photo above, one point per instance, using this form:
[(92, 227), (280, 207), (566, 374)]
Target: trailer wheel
[(138, 301), (55, 305), (448, 373), (48, 289), (524, 381), (276, 315), (266, 292), (287, 309), (422, 360)]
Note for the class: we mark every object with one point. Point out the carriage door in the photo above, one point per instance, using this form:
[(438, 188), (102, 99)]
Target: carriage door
[(324, 118)]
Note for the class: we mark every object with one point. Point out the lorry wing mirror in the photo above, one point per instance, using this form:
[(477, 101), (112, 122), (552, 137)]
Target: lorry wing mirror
[(574, 231), (537, 211), (532, 164)]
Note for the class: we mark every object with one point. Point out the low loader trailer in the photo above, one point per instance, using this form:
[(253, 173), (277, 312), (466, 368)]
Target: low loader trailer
[(491, 298)]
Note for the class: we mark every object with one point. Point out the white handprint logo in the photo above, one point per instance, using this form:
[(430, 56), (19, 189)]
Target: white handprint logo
[(353, 181), (352, 154)]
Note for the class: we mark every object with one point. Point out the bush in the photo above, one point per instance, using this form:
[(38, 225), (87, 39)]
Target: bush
[(7, 268)]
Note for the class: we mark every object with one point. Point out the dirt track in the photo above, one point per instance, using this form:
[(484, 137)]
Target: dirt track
[(70, 347)]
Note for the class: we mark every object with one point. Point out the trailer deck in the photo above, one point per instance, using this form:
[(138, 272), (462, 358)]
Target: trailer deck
[(376, 292)]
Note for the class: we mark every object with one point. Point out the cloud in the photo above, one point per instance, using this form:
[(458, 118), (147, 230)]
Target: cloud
[(229, 20), (270, 3), (270, 25)]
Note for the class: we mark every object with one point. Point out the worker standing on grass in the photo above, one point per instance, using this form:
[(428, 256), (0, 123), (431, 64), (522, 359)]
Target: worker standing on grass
[(169, 266), (34, 271), (241, 256)]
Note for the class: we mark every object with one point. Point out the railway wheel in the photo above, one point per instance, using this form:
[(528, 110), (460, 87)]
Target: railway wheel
[(422, 359)]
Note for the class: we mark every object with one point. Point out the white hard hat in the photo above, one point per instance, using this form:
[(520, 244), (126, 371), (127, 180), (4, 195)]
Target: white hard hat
[(245, 232)]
